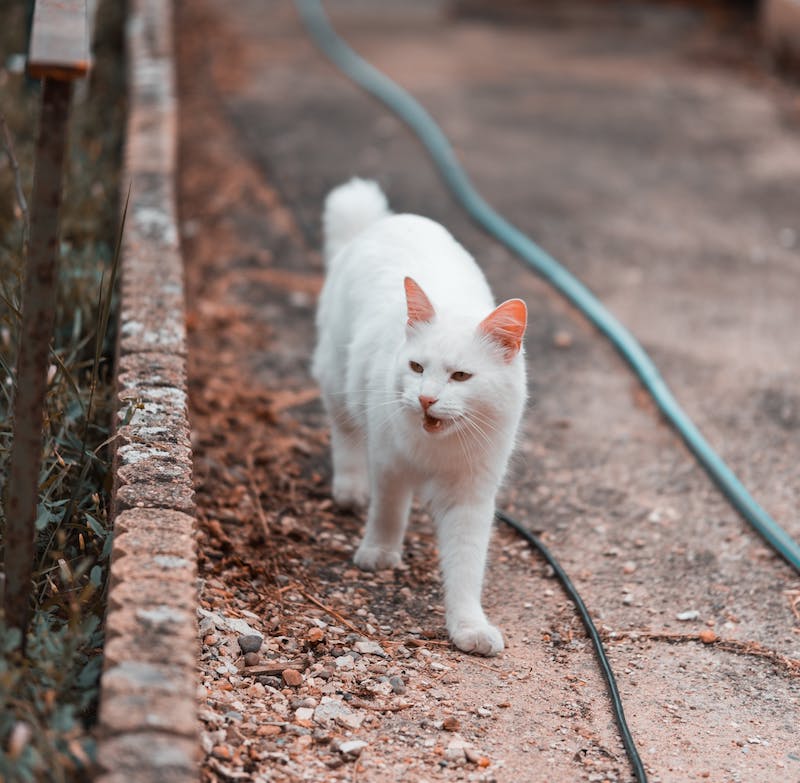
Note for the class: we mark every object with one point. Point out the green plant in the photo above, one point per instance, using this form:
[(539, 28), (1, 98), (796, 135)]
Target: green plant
[(51, 693)]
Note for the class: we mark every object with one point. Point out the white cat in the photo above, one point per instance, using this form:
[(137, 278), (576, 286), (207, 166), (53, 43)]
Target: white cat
[(424, 382)]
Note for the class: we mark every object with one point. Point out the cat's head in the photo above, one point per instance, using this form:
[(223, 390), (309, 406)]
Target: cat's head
[(461, 372)]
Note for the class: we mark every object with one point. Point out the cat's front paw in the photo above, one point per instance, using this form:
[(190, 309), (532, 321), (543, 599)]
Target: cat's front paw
[(350, 492), (481, 638), (373, 558)]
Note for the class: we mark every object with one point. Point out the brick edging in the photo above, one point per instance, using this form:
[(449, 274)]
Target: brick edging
[(147, 722)]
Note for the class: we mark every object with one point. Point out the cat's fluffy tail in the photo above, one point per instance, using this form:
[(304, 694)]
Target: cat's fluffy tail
[(349, 209)]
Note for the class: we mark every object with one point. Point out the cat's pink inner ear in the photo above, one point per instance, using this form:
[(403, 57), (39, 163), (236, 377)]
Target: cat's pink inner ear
[(420, 308), (506, 325)]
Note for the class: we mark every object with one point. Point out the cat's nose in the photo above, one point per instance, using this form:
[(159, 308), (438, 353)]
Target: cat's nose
[(426, 402)]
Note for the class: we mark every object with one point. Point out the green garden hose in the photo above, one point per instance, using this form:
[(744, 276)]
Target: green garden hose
[(439, 149)]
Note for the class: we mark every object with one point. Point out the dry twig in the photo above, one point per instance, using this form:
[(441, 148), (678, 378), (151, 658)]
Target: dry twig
[(794, 601), (20, 193), (255, 494), (364, 705), (333, 613)]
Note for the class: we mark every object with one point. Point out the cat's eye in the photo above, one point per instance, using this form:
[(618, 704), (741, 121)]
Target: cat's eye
[(416, 367), (459, 375)]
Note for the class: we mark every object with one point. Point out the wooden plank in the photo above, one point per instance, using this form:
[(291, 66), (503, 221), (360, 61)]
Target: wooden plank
[(59, 46)]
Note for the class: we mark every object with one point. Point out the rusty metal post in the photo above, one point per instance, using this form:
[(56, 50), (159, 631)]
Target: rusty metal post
[(38, 313)]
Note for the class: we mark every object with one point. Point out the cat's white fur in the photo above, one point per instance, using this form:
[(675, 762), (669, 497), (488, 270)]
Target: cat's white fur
[(372, 323)]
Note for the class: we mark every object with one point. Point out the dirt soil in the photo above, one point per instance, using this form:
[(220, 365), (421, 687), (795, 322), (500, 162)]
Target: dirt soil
[(648, 149)]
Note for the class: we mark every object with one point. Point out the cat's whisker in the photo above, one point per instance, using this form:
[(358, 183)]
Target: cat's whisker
[(482, 439), (355, 422), (363, 389), (483, 419), (467, 452), (364, 408), (384, 423), (478, 425)]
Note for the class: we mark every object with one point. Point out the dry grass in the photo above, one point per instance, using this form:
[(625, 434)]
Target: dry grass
[(52, 694)]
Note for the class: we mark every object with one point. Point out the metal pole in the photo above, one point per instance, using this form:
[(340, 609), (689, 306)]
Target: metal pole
[(38, 315)]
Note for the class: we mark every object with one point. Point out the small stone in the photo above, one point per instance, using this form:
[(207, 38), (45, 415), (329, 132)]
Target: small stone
[(292, 677), (256, 690), (304, 714), (475, 757), (692, 614), (708, 636), (352, 747), (345, 662), (562, 339), (250, 643), (222, 752), (210, 717), (451, 724), (315, 635), (251, 659), (210, 640), (381, 688), (398, 686), (628, 567), (270, 682), (333, 711), (370, 648), (350, 720), (455, 751), (20, 736)]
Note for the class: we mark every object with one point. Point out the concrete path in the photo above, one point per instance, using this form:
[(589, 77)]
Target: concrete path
[(644, 146)]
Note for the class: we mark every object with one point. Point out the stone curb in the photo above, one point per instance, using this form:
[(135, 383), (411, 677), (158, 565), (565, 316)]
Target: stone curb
[(148, 730)]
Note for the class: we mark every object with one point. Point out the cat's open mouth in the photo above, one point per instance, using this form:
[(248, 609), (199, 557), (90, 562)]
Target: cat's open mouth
[(432, 424)]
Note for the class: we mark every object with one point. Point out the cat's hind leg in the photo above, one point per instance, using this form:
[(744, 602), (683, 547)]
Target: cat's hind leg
[(349, 456)]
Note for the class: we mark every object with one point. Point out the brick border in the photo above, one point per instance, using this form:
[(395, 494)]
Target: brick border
[(148, 730)]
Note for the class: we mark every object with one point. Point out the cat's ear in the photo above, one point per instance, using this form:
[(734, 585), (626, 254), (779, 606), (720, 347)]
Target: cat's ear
[(506, 326), (420, 308)]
